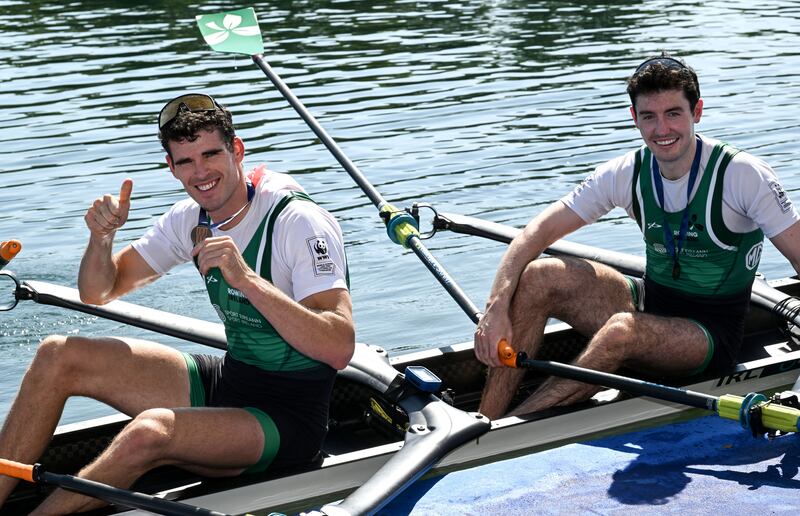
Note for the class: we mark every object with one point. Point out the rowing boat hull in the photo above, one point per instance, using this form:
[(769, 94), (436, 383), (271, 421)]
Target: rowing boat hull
[(360, 442), (508, 437)]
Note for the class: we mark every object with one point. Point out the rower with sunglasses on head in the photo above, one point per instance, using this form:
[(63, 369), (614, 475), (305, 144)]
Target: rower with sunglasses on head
[(274, 265), (703, 207)]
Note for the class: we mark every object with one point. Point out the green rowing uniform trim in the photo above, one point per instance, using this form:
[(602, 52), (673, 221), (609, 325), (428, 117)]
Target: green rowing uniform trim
[(709, 352), (714, 260), (272, 436), (251, 338), (197, 394), (272, 440)]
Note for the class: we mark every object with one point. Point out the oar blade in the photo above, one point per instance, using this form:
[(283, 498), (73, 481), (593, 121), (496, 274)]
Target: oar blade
[(234, 32)]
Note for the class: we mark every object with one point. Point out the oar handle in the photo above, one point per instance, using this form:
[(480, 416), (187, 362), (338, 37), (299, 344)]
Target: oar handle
[(18, 470), (506, 353), (8, 250)]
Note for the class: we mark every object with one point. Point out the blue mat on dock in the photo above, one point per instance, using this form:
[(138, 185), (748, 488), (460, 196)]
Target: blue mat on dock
[(704, 466)]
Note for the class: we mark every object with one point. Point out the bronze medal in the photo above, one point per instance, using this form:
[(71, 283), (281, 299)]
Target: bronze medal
[(198, 234)]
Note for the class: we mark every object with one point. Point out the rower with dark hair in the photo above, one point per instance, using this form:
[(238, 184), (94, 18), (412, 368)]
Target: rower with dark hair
[(274, 266), (703, 207)]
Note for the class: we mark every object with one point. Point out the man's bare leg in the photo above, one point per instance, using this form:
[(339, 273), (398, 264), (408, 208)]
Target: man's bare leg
[(582, 293), (210, 441), (129, 375), (644, 341)]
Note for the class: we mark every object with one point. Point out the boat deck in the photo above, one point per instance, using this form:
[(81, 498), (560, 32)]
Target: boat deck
[(707, 465)]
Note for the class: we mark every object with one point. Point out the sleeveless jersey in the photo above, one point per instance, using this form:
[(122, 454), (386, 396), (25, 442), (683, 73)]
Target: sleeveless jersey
[(251, 338), (714, 260)]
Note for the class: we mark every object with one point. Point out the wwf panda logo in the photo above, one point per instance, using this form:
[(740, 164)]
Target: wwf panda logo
[(321, 247), (321, 261)]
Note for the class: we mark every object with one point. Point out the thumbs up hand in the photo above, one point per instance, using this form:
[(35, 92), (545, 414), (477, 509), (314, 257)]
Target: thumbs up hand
[(109, 212)]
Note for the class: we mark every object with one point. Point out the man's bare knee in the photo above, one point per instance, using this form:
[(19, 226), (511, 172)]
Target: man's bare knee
[(144, 442), (552, 280), (60, 357), (616, 336), (50, 348), (50, 358), (538, 284), (542, 276)]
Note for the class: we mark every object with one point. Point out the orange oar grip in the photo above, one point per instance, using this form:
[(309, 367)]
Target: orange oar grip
[(9, 249), (16, 470), (506, 353)]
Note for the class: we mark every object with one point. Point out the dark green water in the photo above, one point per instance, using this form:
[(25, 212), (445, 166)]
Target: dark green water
[(487, 108)]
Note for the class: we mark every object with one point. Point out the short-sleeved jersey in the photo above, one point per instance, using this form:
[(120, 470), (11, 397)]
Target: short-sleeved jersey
[(295, 245), (296, 268), (752, 196)]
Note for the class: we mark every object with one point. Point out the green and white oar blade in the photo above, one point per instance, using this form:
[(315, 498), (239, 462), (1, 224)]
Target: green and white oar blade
[(235, 32)]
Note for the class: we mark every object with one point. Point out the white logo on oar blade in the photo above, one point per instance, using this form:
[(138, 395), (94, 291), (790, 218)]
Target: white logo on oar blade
[(230, 24)]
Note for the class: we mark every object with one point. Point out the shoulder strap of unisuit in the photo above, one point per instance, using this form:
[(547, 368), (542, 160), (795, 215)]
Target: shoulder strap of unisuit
[(722, 232), (266, 267), (637, 166)]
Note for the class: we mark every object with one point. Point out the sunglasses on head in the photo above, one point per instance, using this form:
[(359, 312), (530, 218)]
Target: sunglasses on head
[(194, 102)]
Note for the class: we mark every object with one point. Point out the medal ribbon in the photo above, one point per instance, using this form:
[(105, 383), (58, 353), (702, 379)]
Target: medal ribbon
[(206, 220), (205, 226), (674, 249)]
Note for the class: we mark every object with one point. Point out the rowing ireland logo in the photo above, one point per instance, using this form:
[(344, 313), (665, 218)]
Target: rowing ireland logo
[(235, 31)]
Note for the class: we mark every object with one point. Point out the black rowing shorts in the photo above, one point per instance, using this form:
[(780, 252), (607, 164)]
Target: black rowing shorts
[(292, 406), (720, 317)]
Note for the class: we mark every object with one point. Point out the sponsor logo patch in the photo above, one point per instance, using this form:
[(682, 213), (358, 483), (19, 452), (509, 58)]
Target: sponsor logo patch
[(753, 256), (780, 196), (237, 296), (694, 225), (220, 313), (318, 247)]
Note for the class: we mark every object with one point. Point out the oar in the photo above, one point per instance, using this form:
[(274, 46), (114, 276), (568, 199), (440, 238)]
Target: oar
[(36, 474), (754, 412), (763, 295), (237, 32), (182, 327)]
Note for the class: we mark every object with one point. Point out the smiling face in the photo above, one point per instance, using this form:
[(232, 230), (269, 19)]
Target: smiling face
[(211, 174), (666, 122)]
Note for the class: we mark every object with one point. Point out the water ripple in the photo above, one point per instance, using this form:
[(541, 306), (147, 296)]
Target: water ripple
[(490, 108)]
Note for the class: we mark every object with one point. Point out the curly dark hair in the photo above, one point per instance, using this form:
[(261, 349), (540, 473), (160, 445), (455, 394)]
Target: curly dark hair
[(661, 73), (187, 125)]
